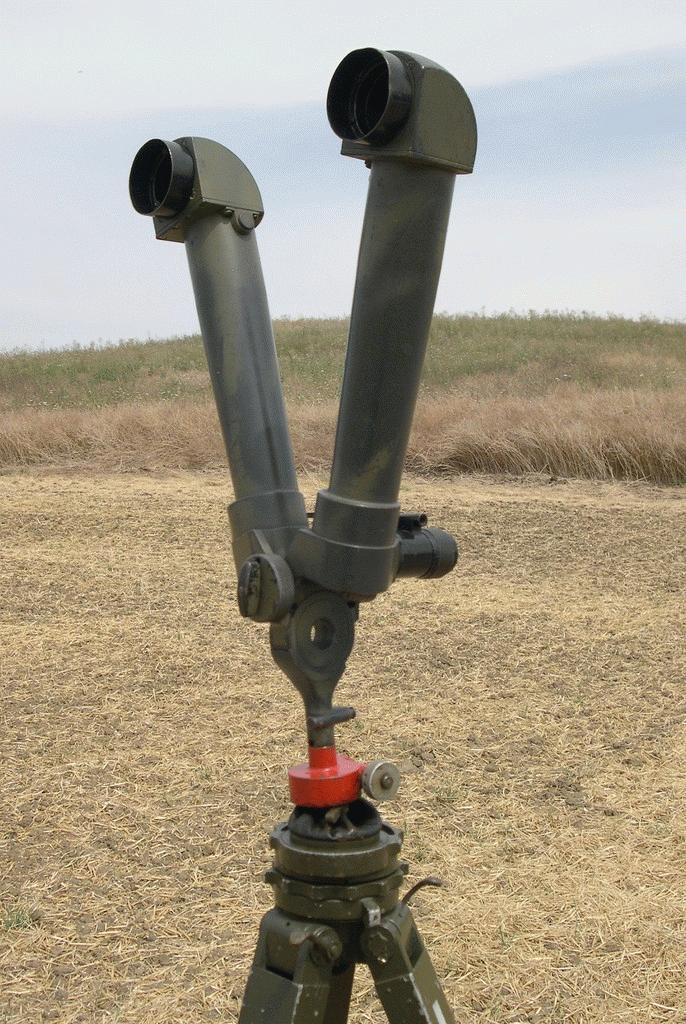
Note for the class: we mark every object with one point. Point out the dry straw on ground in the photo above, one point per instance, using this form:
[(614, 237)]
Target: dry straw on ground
[(535, 701)]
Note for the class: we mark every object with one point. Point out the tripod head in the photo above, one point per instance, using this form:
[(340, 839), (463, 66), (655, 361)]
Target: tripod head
[(413, 125)]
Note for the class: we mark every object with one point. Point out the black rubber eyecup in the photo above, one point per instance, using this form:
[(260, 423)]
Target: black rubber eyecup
[(369, 97), (161, 179)]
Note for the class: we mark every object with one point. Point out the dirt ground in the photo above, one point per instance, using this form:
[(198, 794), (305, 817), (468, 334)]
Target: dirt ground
[(535, 700)]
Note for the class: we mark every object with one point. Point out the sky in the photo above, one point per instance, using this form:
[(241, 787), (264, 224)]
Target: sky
[(576, 201)]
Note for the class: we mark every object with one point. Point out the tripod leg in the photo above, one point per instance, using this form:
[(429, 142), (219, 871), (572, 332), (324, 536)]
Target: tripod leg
[(339, 996), (403, 974), (291, 980)]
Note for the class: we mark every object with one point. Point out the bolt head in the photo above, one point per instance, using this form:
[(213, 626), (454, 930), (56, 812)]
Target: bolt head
[(381, 780), (326, 947), (379, 945)]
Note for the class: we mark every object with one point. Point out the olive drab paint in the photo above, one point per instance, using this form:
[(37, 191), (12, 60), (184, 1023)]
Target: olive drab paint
[(336, 874)]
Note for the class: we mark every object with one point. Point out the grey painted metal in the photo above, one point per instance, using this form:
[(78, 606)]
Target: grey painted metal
[(438, 128), (291, 980), (308, 946), (311, 644), (200, 193), (399, 265), (414, 125), (336, 876), (338, 1005), (352, 545), (404, 977), (295, 982), (237, 332)]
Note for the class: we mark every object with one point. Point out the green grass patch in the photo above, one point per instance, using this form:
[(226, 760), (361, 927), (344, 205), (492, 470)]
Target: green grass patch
[(513, 355), (15, 918)]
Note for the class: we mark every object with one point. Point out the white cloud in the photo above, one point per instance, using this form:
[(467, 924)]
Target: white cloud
[(76, 58), (576, 200)]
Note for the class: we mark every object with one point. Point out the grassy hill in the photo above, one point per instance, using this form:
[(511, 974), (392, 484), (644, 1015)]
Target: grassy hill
[(560, 394)]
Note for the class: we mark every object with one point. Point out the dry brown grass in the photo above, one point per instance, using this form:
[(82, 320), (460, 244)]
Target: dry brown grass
[(569, 432), (625, 435), (535, 701), (567, 395)]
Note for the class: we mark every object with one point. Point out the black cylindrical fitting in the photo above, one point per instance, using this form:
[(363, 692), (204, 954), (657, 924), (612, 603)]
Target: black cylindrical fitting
[(161, 178), (426, 554), (370, 96)]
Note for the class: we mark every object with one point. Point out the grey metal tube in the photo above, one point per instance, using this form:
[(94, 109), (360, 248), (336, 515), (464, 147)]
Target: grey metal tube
[(399, 265), (239, 343)]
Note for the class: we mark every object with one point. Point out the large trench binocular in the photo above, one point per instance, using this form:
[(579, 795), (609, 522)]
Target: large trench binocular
[(413, 125), (336, 871)]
